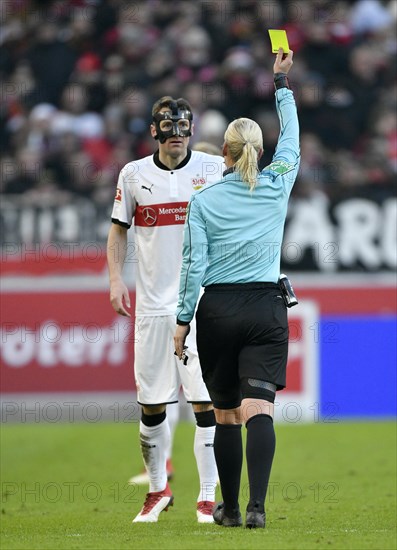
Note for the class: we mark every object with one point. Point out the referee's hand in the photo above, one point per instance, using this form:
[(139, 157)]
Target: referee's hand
[(179, 339), (283, 65)]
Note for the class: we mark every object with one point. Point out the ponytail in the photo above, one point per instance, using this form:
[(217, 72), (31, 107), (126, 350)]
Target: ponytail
[(244, 139)]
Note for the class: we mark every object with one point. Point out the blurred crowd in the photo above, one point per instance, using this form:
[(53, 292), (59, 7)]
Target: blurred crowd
[(79, 78)]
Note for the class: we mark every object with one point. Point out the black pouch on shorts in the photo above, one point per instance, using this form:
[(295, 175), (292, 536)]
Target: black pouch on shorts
[(287, 291)]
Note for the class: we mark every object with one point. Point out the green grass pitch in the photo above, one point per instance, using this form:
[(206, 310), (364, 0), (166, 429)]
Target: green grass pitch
[(64, 486)]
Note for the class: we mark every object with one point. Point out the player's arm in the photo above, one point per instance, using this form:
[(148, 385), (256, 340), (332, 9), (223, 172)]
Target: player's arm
[(116, 252), (122, 215)]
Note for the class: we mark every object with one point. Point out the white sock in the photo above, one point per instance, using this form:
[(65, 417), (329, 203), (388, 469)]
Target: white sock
[(206, 465), (173, 419), (154, 444)]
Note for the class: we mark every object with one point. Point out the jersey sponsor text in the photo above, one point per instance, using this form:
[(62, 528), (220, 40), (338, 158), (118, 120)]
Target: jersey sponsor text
[(161, 214)]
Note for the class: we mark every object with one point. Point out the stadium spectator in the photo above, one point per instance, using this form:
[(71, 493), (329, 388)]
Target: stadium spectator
[(107, 53), (52, 61)]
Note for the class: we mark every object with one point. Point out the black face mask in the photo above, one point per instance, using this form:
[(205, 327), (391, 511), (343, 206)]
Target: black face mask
[(177, 123)]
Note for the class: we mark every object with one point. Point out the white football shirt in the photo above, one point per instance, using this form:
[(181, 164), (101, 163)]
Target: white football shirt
[(155, 198)]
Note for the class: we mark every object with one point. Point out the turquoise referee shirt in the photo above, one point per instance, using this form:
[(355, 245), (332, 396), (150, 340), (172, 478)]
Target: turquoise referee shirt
[(232, 235)]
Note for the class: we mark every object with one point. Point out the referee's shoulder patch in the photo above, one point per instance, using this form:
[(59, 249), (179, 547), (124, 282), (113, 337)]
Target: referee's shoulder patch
[(280, 167)]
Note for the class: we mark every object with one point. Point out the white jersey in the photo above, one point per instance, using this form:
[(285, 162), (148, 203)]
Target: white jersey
[(155, 199)]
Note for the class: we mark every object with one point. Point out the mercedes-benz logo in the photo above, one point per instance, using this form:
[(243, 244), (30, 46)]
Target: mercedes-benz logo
[(149, 215)]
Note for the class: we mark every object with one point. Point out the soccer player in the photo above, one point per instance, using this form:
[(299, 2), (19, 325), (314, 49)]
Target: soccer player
[(242, 326), (152, 193), (173, 412)]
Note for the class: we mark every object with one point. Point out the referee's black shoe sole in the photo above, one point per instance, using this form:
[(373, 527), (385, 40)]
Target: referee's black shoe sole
[(218, 513), (255, 520)]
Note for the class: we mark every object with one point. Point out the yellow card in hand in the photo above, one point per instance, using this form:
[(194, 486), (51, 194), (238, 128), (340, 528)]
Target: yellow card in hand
[(279, 40)]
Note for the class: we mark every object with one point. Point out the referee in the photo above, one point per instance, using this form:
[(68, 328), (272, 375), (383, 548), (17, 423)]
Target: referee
[(232, 242)]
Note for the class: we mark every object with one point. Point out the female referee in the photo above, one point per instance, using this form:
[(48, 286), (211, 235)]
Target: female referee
[(232, 242)]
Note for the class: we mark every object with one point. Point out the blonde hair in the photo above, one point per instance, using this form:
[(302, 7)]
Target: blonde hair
[(244, 140)]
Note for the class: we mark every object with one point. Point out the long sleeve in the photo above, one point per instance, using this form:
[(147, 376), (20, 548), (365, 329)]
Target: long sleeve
[(288, 141), (286, 158), (194, 262)]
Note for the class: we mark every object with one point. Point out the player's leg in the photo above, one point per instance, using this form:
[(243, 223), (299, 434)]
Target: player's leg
[(154, 436), (156, 381), (172, 418), (196, 393), (205, 460)]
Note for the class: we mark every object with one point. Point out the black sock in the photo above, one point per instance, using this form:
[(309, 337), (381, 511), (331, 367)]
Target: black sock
[(228, 449), (261, 444)]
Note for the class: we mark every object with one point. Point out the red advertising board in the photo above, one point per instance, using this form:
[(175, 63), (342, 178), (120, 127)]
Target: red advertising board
[(73, 341), (64, 341), (52, 259)]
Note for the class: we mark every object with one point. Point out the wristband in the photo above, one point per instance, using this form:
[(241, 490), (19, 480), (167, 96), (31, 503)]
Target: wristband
[(281, 81), (182, 323)]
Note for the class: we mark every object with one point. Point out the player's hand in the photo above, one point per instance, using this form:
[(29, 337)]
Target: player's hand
[(283, 65), (179, 339), (119, 298)]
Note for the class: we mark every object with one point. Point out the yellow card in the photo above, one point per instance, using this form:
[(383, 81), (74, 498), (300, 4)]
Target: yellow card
[(279, 40)]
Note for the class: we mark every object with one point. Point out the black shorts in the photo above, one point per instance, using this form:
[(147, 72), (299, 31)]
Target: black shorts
[(242, 332)]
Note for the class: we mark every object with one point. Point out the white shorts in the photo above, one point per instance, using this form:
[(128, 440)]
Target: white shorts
[(159, 374)]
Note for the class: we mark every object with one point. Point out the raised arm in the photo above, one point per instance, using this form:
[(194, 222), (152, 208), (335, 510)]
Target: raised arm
[(288, 142)]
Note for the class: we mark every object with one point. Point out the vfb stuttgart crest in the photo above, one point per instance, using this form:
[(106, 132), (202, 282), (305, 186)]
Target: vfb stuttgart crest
[(198, 182)]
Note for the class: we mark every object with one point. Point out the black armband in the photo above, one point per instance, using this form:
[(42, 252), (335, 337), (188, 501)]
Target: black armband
[(281, 81), (182, 323)]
